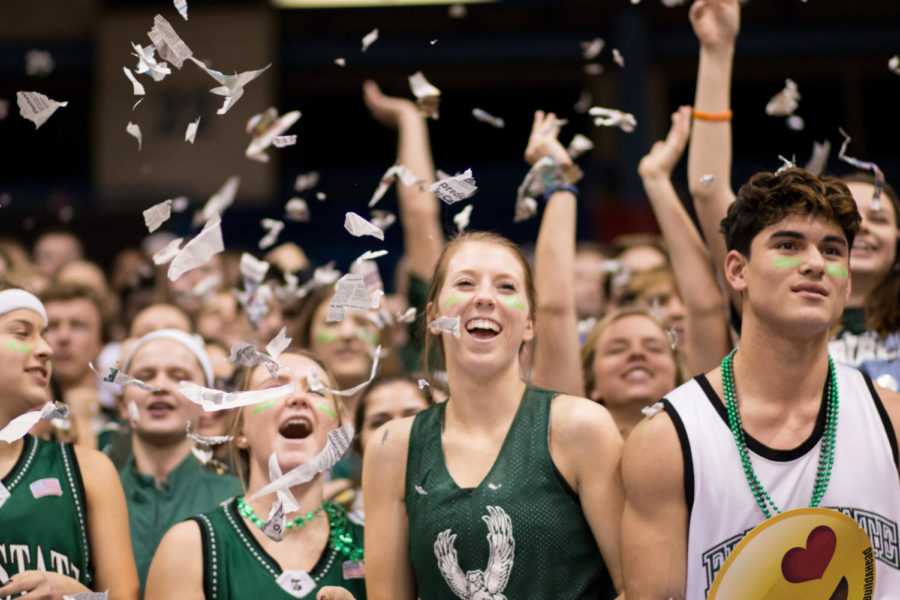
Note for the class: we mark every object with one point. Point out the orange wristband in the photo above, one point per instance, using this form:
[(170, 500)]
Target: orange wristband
[(711, 116)]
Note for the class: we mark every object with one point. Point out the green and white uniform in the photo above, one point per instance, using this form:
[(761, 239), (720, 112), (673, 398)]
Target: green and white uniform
[(42, 523), (520, 534), (236, 567)]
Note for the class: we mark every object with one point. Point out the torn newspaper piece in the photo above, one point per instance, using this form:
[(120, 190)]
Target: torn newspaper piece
[(407, 317), (370, 255), (265, 127), (382, 219), (273, 228), (819, 159), (120, 378), (427, 96), (306, 181), (618, 58), (18, 427), (357, 226), (170, 47), (785, 102), (37, 107), (448, 324), (232, 87), (283, 141), (390, 176), (167, 253), (278, 344), (349, 296), (461, 219), (296, 209), (87, 596), (134, 130), (191, 132), (219, 201), (579, 145), (199, 250), (486, 117), (214, 400), (147, 63), (338, 441), (590, 50), (707, 180), (867, 166), (243, 354), (610, 117), (182, 8), (157, 214), (894, 64), (285, 496), (315, 381), (456, 188), (369, 39), (543, 175), (38, 63), (136, 85)]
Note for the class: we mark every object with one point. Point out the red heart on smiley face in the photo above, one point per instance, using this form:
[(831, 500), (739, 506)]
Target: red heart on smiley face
[(806, 564)]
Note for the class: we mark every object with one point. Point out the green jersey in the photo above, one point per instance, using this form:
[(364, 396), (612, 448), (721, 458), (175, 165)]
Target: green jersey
[(520, 534), (42, 520), (236, 567)]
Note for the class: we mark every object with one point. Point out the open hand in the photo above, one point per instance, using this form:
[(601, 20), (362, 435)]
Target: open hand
[(543, 141), (665, 154)]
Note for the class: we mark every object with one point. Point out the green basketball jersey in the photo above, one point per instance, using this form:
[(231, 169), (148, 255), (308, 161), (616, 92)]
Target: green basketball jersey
[(520, 534), (236, 567), (42, 522)]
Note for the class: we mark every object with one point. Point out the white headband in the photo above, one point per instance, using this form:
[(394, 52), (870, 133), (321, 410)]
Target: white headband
[(15, 299), (194, 343)]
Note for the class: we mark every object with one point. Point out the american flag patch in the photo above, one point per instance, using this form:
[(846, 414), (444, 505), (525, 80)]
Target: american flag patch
[(46, 487), (354, 570)]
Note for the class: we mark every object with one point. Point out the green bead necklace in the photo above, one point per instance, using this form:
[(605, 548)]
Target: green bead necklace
[(826, 451), (339, 538)]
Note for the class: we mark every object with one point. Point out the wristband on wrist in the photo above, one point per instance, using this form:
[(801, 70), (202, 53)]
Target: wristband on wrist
[(558, 188), (712, 116)]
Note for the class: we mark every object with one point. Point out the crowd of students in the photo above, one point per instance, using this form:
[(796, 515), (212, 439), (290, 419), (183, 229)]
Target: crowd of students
[(598, 421)]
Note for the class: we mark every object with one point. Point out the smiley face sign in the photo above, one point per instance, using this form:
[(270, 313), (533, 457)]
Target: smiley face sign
[(813, 553)]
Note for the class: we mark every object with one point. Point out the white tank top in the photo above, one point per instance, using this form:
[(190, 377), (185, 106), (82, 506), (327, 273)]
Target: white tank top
[(722, 510)]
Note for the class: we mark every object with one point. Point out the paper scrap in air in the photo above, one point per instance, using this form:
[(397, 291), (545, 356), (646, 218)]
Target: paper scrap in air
[(37, 107), (157, 214), (456, 188), (278, 344), (169, 45), (137, 86), (358, 226), (215, 400), (191, 132), (199, 250), (610, 117), (349, 296), (134, 130), (273, 228), (448, 324), (369, 39), (785, 102), (182, 7)]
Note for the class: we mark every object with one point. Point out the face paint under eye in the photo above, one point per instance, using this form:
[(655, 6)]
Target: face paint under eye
[(263, 406), (326, 336), (17, 347), (451, 300), (514, 302), (787, 262), (836, 270), (327, 410), (367, 336)]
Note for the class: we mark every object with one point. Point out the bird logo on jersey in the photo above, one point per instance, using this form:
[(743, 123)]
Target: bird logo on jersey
[(480, 585)]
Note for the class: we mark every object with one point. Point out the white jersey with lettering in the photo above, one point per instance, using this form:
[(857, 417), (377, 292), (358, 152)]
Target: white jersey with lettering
[(864, 480)]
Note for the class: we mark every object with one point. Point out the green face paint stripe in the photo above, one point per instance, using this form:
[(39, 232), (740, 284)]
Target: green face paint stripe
[(263, 406), (787, 262), (327, 410), (838, 270), (514, 302), (451, 300), (326, 336), (17, 347)]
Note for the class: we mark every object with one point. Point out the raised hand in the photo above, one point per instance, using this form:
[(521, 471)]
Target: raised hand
[(665, 154), (716, 22), (387, 110), (543, 141)]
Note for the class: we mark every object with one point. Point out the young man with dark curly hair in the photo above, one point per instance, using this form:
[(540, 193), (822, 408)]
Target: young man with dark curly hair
[(778, 425)]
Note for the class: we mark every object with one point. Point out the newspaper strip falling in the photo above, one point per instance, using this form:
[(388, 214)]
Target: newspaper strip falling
[(170, 47), (448, 324), (867, 166), (232, 86), (427, 96), (486, 117), (87, 596), (37, 107), (370, 255), (785, 102), (390, 176), (120, 378), (382, 219), (219, 201), (315, 382), (214, 400), (147, 63), (349, 296), (137, 86), (579, 145), (618, 58), (134, 130), (191, 132), (273, 228), (157, 214), (369, 39), (182, 8), (278, 344), (265, 128), (167, 253), (338, 441), (819, 158), (285, 496), (357, 226), (306, 181), (610, 117), (590, 50), (18, 427), (461, 219), (196, 252), (894, 64), (456, 188), (243, 354), (296, 209)]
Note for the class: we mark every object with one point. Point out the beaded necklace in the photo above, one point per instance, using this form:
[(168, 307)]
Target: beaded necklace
[(826, 450), (338, 538)]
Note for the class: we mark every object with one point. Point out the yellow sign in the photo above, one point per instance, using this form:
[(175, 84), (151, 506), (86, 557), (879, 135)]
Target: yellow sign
[(811, 553)]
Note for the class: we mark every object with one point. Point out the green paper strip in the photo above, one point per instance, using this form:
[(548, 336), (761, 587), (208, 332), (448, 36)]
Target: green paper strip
[(327, 410), (263, 406), (17, 347), (787, 262), (835, 269), (326, 336), (514, 302), (451, 300)]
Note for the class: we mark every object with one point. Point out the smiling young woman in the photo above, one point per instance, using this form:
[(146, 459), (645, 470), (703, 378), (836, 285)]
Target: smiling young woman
[(62, 512), (535, 470), (224, 553)]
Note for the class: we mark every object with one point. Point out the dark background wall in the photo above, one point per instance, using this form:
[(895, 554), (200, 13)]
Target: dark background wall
[(508, 58)]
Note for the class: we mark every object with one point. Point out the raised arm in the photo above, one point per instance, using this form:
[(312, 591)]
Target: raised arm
[(556, 357), (420, 214), (654, 522), (389, 570), (716, 24), (706, 340)]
